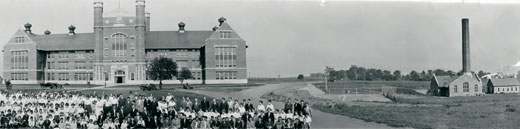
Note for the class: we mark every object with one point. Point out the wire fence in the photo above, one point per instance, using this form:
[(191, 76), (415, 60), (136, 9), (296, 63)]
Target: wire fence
[(359, 90)]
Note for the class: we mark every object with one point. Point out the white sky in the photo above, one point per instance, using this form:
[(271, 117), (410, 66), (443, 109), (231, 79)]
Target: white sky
[(289, 37)]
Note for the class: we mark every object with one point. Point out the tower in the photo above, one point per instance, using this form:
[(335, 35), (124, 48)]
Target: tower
[(98, 39), (141, 29), (466, 62)]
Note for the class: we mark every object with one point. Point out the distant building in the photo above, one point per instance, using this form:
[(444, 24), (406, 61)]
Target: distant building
[(317, 75), (467, 84), (119, 50), (503, 85), (449, 86)]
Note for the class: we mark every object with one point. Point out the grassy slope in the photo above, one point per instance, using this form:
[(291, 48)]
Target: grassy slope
[(362, 87), (492, 111)]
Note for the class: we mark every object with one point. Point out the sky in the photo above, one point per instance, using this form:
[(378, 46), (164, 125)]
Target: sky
[(290, 37)]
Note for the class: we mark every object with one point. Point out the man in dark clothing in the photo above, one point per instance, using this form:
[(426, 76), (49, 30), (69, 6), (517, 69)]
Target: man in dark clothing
[(204, 104), (245, 117), (297, 107), (288, 106), (249, 106), (224, 107), (269, 116), (215, 106)]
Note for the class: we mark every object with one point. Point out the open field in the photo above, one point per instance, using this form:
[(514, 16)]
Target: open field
[(372, 87), (491, 111), (282, 80)]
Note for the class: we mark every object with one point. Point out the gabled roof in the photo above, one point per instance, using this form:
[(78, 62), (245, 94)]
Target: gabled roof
[(154, 40), (57, 42), (174, 39), (504, 82), (444, 81)]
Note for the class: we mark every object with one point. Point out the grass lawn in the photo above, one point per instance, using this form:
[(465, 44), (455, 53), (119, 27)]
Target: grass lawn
[(282, 80), (371, 87), (491, 111)]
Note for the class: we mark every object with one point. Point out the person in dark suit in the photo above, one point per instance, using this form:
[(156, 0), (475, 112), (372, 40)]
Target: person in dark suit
[(269, 116), (249, 106), (224, 107), (215, 106), (297, 107), (288, 106), (204, 104), (172, 113), (245, 118)]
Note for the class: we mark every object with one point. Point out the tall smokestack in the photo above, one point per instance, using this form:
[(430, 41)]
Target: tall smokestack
[(466, 62)]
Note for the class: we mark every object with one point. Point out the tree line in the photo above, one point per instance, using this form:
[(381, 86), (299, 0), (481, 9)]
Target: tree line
[(370, 74)]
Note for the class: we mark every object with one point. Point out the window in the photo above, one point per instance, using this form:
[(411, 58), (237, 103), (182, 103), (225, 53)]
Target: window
[(225, 34), (455, 89), (225, 56), (18, 76), (63, 65), (181, 52), (182, 64), (63, 76), (163, 53), (19, 59), (465, 87), (476, 88), (226, 75), (119, 46), (82, 76), (20, 39), (131, 76), (80, 65)]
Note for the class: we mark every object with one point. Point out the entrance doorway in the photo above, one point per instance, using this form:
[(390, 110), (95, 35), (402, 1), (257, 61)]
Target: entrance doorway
[(119, 76), (119, 80)]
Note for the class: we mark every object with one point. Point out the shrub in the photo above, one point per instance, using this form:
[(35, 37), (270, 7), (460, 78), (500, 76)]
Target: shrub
[(510, 108)]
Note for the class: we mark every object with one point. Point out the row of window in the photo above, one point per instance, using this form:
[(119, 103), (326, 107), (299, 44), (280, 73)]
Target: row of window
[(20, 39), (465, 87), (226, 75), (65, 65), (225, 34), (72, 54), (65, 76), (507, 89), (19, 76), (165, 53), (225, 56), (19, 59)]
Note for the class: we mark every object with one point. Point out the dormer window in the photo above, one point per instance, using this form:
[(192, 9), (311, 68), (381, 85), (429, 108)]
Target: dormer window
[(20, 39), (225, 34)]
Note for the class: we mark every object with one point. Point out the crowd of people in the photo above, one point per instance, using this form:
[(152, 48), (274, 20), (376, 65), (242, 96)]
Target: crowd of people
[(73, 110)]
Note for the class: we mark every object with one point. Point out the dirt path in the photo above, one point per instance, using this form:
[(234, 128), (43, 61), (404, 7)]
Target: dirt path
[(320, 119)]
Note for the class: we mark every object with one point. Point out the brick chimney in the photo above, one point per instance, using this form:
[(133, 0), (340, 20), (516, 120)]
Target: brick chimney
[(466, 62)]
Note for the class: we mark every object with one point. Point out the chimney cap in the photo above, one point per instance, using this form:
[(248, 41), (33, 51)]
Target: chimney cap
[(98, 4), (222, 19), (47, 32), (181, 24), (27, 25), (72, 27)]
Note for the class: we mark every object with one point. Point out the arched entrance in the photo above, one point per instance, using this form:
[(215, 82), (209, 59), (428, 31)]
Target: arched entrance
[(119, 76)]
